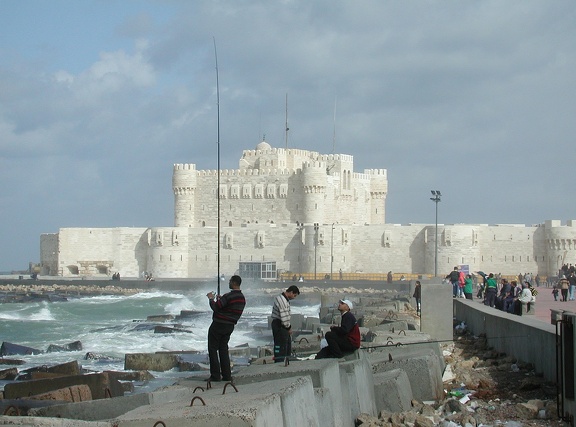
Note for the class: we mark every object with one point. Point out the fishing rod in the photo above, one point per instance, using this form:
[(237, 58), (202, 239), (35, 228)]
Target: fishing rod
[(218, 153)]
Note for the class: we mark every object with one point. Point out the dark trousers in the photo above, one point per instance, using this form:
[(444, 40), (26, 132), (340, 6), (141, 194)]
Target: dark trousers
[(282, 342), (218, 337), (564, 294), (337, 346), (490, 297)]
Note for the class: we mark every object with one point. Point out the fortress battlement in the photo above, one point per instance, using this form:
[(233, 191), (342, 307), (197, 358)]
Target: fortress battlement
[(314, 164), (283, 151), (248, 172), (184, 166), (337, 157), (380, 172)]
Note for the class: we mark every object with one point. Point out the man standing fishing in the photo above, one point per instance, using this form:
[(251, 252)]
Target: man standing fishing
[(227, 311), (281, 327)]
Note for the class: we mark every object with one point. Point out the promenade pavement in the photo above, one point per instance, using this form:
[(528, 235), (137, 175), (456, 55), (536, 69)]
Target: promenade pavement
[(545, 302)]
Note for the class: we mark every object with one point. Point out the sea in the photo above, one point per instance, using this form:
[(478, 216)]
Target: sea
[(112, 326)]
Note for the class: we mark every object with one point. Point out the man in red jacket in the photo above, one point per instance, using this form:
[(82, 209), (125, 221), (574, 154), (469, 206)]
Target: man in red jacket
[(344, 338)]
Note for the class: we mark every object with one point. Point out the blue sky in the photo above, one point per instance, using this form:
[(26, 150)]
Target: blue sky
[(99, 98)]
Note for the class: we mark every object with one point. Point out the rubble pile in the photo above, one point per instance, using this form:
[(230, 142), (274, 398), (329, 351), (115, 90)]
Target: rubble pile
[(482, 388)]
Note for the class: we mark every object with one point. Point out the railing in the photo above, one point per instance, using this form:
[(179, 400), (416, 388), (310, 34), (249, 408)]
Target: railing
[(321, 276)]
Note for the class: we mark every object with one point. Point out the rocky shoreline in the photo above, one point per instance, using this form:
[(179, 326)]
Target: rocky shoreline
[(12, 293)]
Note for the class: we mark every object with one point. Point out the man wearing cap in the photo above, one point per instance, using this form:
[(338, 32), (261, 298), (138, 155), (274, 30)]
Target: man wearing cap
[(344, 338)]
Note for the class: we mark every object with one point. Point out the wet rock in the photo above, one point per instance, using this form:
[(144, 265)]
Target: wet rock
[(4, 361), (73, 346), (9, 349), (8, 374)]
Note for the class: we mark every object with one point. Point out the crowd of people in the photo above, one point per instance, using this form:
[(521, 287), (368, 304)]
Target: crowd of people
[(494, 290)]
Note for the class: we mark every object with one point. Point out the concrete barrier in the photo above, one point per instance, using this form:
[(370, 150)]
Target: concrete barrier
[(514, 335), (360, 385), (98, 410), (159, 362), (101, 386), (49, 422), (420, 364), (392, 391), (283, 402), (324, 374)]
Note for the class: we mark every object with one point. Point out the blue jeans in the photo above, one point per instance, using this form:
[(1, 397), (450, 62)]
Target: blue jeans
[(455, 288), (571, 298)]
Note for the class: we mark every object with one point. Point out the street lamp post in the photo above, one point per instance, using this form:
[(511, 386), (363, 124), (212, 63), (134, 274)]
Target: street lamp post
[(316, 227), (436, 199), (332, 252), (300, 228)]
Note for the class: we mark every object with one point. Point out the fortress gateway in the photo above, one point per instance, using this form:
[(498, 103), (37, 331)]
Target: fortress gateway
[(303, 212)]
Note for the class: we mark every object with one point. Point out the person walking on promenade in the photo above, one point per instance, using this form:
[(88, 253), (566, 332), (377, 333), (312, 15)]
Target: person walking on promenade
[(555, 293), (468, 286), (227, 310), (491, 290), (281, 327), (572, 285), (344, 338), (454, 277), (564, 284), (418, 296)]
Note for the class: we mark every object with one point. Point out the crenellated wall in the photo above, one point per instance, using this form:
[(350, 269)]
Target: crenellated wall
[(267, 210)]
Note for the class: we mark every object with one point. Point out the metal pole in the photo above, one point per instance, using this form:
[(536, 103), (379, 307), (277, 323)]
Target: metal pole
[(315, 246), (332, 252), (436, 245), (436, 199)]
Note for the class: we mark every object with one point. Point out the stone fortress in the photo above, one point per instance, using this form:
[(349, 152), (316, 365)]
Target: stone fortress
[(298, 211)]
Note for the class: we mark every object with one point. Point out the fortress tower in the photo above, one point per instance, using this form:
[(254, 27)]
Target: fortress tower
[(184, 184)]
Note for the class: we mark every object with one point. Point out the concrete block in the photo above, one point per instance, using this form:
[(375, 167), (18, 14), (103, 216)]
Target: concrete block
[(528, 311), (297, 321), (437, 310), (49, 422), (392, 391), (215, 409), (324, 406), (159, 362), (390, 325), (101, 386), (312, 323), (360, 385), (324, 373), (75, 393), (412, 338), (106, 409), (421, 366)]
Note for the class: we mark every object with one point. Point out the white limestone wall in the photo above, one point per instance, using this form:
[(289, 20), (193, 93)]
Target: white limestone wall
[(170, 252), (184, 186), (90, 250), (49, 254), (560, 243)]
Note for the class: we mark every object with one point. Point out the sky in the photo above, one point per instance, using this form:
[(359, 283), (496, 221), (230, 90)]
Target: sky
[(99, 98)]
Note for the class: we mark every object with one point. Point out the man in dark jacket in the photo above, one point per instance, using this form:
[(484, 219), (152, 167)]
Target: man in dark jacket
[(227, 311), (454, 278), (344, 338)]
